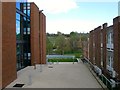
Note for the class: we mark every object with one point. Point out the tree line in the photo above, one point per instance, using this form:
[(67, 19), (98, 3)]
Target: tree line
[(61, 43)]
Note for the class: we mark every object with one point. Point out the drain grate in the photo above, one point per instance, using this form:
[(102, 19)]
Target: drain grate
[(18, 85), (50, 66)]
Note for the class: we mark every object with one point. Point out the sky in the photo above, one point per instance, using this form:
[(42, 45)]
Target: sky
[(77, 15)]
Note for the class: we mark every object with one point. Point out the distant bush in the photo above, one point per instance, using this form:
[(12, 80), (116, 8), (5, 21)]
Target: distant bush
[(77, 53), (62, 60)]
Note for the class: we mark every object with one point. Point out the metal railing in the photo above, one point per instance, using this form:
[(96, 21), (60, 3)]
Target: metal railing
[(110, 85)]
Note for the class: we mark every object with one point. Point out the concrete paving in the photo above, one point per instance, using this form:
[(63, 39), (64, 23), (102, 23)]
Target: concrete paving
[(62, 75)]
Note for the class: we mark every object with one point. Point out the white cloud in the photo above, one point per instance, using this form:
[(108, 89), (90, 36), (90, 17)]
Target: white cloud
[(67, 26), (64, 25), (55, 6)]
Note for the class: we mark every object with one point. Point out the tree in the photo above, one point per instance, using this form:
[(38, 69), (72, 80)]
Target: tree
[(84, 36), (74, 41), (60, 43), (49, 46)]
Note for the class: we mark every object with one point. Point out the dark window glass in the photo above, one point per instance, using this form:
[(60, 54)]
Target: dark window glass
[(24, 18), (28, 30), (23, 35), (24, 30), (24, 5)]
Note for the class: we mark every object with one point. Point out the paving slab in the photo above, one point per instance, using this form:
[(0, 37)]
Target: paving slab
[(62, 75)]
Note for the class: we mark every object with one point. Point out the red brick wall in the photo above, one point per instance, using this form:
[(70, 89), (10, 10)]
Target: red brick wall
[(42, 38), (98, 46), (95, 37), (91, 46), (104, 46), (116, 31), (35, 53), (38, 35), (0, 46), (95, 41), (8, 43), (85, 49), (41, 33)]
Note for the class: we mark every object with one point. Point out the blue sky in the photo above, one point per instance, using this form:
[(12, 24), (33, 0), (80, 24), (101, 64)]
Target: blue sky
[(75, 15)]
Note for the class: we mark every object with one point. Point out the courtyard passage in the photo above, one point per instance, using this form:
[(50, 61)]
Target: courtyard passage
[(62, 75)]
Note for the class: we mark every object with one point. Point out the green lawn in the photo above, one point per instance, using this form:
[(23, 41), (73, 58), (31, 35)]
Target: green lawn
[(61, 60), (77, 54)]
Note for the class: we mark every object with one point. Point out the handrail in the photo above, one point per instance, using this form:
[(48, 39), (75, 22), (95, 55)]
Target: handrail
[(101, 74), (107, 79)]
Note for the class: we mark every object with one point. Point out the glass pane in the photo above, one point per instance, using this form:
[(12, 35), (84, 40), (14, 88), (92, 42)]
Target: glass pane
[(24, 30), (28, 30), (24, 4), (17, 16), (28, 7), (29, 54), (24, 18), (25, 11), (24, 8), (28, 12), (17, 26), (28, 4), (18, 5)]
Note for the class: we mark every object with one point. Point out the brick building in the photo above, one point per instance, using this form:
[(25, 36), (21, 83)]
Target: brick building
[(22, 38), (104, 49)]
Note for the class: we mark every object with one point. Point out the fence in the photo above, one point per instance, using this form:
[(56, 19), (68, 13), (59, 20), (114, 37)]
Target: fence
[(110, 85)]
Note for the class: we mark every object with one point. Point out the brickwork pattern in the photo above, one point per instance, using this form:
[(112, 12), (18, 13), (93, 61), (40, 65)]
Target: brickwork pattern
[(9, 72)]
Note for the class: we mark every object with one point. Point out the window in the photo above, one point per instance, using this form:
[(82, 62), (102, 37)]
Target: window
[(24, 5), (18, 5), (109, 60), (28, 4), (25, 11), (110, 37), (101, 35), (25, 55), (18, 26), (28, 12), (24, 30), (24, 18), (17, 16), (102, 57), (28, 30), (29, 55)]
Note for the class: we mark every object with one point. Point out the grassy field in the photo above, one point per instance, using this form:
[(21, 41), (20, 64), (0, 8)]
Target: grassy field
[(61, 60), (77, 54)]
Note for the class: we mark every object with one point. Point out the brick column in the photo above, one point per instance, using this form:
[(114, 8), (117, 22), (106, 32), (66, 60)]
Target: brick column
[(116, 30), (34, 34), (42, 29), (104, 46), (9, 72), (0, 45), (91, 46)]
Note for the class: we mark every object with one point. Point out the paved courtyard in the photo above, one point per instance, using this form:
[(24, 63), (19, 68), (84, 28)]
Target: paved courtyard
[(62, 75)]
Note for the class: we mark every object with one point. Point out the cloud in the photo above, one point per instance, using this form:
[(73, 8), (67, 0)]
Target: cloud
[(67, 26), (55, 6)]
